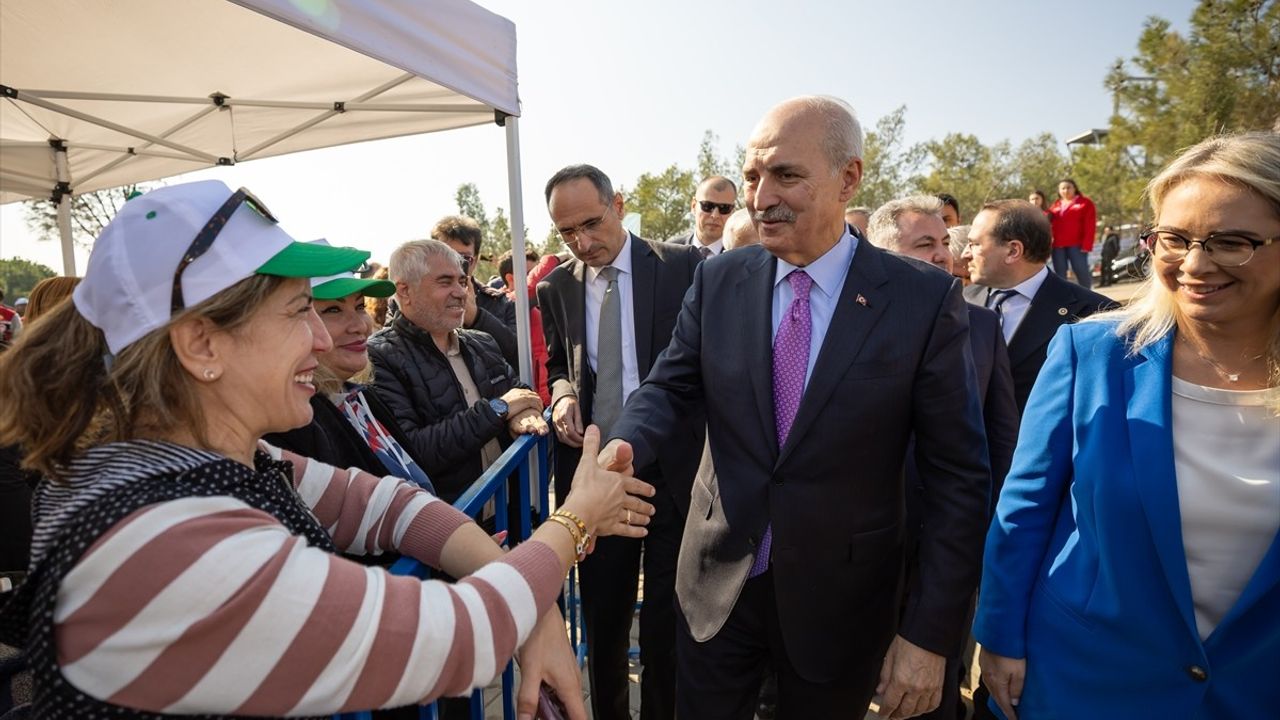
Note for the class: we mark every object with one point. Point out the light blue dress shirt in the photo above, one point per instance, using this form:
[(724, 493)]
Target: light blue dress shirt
[(828, 274)]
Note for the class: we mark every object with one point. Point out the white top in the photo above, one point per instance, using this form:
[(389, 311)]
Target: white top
[(1015, 308), (1226, 455), (596, 285)]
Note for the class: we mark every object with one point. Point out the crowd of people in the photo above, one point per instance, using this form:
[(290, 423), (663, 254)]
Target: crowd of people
[(839, 443)]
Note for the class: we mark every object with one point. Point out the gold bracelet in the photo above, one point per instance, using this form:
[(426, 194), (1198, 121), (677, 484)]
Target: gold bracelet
[(579, 540), (561, 512)]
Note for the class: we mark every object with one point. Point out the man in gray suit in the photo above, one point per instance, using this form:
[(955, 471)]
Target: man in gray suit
[(712, 205), (816, 357)]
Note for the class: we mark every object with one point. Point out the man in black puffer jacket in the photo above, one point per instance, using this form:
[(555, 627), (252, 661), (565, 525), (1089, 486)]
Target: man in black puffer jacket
[(487, 309), (451, 390)]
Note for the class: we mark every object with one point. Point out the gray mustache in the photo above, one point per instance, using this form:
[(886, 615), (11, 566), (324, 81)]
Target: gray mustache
[(777, 213)]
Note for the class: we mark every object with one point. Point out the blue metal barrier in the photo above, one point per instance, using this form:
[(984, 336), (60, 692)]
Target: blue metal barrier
[(493, 485)]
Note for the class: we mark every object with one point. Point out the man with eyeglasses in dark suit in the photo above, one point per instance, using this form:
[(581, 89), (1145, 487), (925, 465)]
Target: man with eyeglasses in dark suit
[(712, 205), (607, 313)]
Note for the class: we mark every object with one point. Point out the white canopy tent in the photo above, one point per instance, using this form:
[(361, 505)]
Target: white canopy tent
[(98, 95)]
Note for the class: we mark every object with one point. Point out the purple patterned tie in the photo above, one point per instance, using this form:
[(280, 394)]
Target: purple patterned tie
[(790, 365)]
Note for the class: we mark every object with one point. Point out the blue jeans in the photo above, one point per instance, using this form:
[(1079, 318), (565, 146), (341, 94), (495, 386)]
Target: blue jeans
[(1079, 260)]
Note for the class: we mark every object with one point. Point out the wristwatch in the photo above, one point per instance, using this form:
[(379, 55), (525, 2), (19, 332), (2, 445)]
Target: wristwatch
[(499, 407)]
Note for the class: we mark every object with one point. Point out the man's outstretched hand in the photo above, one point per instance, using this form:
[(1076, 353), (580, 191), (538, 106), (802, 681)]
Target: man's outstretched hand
[(617, 456)]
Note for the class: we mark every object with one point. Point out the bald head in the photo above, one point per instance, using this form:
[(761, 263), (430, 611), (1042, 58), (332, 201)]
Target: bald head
[(801, 166), (739, 230), (838, 128)]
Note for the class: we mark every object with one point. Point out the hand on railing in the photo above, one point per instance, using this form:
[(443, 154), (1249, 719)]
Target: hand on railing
[(529, 422), (608, 498)]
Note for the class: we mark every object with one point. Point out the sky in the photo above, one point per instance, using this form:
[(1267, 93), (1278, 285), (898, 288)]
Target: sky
[(632, 87)]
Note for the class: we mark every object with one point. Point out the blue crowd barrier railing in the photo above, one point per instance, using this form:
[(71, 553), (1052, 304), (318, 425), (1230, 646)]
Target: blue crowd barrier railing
[(493, 485)]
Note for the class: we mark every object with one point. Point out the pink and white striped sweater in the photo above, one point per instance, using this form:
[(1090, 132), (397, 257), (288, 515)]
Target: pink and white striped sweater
[(207, 605)]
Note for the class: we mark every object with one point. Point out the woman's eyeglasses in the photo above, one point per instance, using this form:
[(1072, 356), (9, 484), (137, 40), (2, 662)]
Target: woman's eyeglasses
[(1225, 249)]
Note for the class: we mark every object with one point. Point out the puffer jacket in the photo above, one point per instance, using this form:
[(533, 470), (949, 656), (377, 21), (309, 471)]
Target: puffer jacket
[(414, 379), (496, 315)]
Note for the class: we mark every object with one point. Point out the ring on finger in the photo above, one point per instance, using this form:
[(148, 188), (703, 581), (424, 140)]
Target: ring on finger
[(628, 517)]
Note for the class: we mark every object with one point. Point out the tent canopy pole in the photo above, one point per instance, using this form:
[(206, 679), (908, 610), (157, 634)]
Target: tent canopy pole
[(519, 268), (63, 196)]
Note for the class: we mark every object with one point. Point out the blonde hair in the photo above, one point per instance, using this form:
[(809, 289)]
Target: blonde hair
[(1248, 160), (64, 392), (48, 294)]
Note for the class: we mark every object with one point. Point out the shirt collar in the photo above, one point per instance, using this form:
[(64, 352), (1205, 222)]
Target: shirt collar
[(454, 348), (715, 247), (828, 271), (622, 262), (1029, 287)]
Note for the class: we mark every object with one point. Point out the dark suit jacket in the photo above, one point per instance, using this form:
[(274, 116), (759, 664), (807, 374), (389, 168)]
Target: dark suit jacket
[(895, 360), (661, 273), (999, 409), (1057, 303)]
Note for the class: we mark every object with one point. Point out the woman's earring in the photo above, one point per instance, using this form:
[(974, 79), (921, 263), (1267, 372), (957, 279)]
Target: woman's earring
[(209, 374)]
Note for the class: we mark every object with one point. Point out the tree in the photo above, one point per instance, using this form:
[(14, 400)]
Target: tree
[(887, 165), (710, 162), (1108, 176), (18, 277), (663, 202), (90, 213), (973, 173), (1037, 164), (553, 243), (1224, 76)]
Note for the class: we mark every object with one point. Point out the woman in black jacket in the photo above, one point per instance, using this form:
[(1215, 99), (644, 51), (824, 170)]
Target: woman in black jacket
[(351, 427)]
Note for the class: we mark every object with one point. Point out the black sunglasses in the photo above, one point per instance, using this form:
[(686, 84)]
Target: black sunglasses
[(204, 239), (708, 206)]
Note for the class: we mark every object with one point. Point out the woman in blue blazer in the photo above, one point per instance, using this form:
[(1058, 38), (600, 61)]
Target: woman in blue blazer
[(1133, 567)]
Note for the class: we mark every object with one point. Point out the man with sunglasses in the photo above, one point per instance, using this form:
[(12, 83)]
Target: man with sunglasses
[(487, 310), (607, 313), (712, 205)]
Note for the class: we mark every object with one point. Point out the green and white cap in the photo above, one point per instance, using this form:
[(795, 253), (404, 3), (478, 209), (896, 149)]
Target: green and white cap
[(127, 288), (336, 287)]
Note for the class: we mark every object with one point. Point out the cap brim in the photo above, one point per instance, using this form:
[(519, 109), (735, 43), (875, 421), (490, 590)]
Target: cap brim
[(309, 260), (342, 287)]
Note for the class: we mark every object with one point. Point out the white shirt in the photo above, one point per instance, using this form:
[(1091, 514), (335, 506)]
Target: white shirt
[(1015, 308), (716, 247), (1226, 459), (596, 285), (828, 274)]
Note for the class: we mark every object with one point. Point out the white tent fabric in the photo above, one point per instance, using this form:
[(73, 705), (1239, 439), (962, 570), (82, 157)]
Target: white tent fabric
[(100, 94), (130, 86)]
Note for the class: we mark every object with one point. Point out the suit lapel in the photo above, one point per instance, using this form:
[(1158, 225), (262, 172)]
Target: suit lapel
[(1264, 579), (1049, 309), (851, 323), (1148, 385), (755, 289), (644, 275), (575, 310)]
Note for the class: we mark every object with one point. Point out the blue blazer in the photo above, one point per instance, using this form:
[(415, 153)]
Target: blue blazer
[(1085, 574)]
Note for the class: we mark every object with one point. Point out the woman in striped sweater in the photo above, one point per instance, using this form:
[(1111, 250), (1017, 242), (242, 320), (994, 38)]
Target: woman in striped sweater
[(179, 566)]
